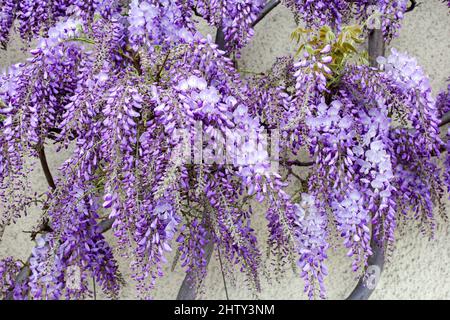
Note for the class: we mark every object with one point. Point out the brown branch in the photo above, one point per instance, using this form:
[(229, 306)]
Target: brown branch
[(298, 163), (45, 168), (194, 9), (445, 119)]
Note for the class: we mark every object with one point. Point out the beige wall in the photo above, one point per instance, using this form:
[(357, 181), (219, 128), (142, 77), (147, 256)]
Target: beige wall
[(418, 268)]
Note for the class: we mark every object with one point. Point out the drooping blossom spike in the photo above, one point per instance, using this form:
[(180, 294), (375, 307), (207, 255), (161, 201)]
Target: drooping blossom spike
[(443, 106)]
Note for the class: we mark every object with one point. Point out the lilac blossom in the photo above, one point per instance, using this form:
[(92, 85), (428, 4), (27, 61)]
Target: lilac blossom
[(311, 235), (381, 14), (157, 22), (235, 17), (443, 106), (7, 15), (9, 267)]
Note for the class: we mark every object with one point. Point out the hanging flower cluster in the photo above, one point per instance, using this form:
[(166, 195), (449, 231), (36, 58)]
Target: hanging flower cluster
[(373, 135), (150, 20), (9, 267), (172, 147), (34, 95), (234, 17), (319, 13), (7, 15), (443, 105), (129, 113)]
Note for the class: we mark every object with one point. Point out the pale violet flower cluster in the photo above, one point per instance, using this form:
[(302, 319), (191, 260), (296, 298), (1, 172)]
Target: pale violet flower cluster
[(405, 70), (234, 17), (352, 210), (121, 103), (377, 161), (311, 234), (42, 280), (241, 142), (249, 141), (204, 96), (9, 267), (156, 24), (7, 13), (376, 167), (382, 14), (8, 84), (358, 171), (419, 104)]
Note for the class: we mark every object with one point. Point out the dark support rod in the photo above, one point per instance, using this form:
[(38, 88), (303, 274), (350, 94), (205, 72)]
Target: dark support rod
[(367, 283)]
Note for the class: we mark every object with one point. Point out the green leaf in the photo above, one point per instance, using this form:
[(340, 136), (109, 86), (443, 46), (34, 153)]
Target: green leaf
[(79, 28)]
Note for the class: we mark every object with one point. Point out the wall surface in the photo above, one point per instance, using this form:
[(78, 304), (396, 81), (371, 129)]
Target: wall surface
[(418, 268)]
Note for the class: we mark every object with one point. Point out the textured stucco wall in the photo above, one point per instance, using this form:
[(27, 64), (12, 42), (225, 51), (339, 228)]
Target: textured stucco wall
[(418, 268)]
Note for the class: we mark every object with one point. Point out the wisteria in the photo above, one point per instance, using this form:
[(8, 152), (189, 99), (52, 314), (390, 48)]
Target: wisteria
[(175, 150), (374, 14), (149, 20), (443, 105), (235, 18), (7, 15)]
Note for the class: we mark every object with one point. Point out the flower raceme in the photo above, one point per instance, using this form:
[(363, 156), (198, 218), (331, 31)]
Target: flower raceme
[(173, 146), (374, 14)]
